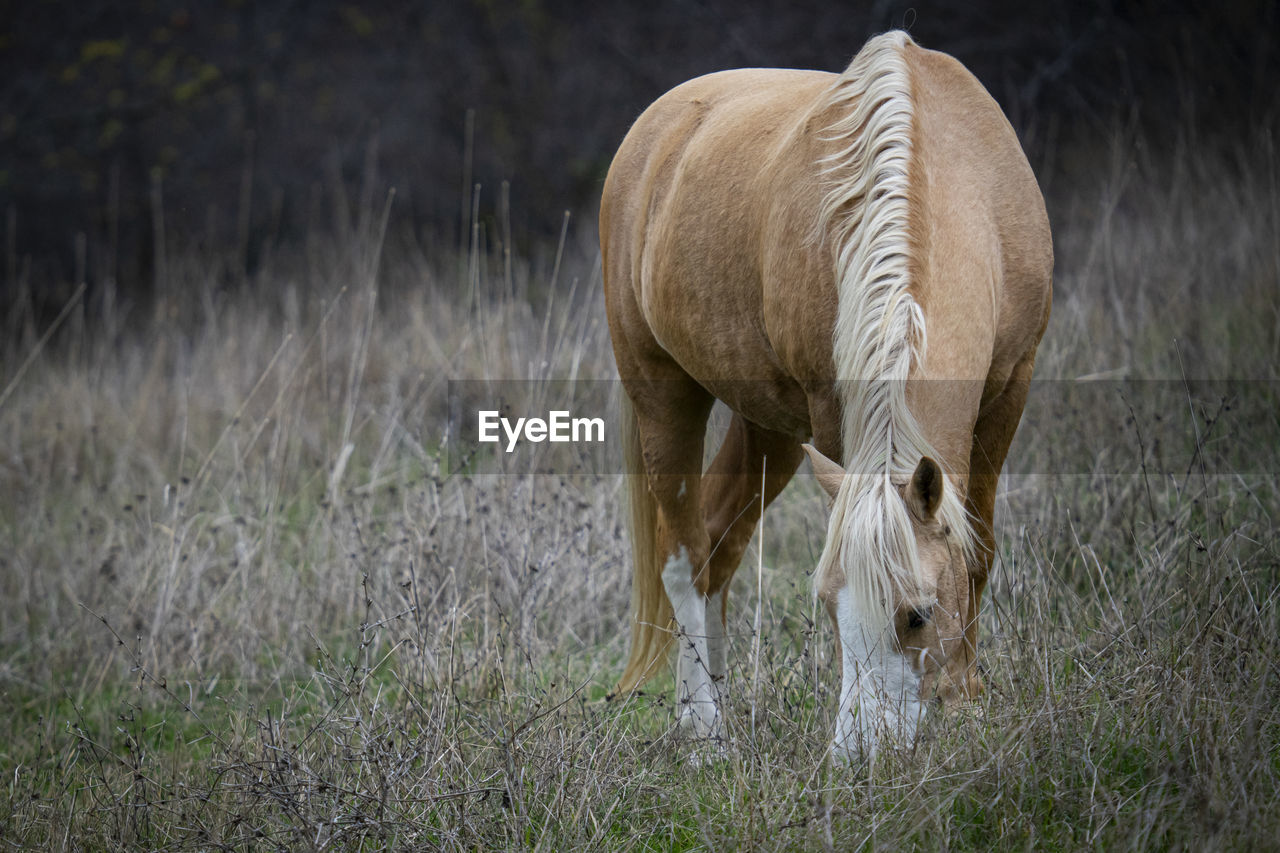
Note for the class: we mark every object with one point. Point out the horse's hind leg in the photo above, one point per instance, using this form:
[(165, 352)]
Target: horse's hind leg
[(750, 459), (671, 415)]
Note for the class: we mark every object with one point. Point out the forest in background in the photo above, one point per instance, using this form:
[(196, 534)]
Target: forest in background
[(231, 125)]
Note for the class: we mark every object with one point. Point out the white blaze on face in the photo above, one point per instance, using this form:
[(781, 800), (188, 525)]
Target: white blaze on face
[(698, 713), (880, 689)]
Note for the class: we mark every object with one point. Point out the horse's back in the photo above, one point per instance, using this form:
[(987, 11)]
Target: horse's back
[(725, 119), (982, 211)]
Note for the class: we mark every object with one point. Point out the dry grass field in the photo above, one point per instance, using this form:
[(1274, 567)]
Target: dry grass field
[(249, 599)]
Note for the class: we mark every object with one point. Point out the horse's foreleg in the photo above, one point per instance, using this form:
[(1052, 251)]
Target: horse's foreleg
[(992, 435), (750, 460), (717, 642)]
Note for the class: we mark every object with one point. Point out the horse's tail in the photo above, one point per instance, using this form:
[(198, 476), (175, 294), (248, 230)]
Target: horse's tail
[(651, 616)]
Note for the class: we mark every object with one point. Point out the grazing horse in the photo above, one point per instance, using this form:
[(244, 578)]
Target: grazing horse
[(863, 259)]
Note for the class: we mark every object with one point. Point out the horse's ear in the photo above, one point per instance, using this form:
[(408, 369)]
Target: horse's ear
[(924, 494), (830, 475)]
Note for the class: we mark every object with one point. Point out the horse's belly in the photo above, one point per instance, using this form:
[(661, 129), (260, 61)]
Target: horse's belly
[(780, 406), (739, 367)]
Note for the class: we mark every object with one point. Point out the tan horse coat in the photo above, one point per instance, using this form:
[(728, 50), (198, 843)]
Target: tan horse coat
[(725, 277)]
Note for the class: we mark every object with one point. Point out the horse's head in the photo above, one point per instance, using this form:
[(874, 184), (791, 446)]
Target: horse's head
[(900, 628)]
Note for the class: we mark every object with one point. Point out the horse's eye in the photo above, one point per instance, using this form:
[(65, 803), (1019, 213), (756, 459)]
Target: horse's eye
[(918, 616)]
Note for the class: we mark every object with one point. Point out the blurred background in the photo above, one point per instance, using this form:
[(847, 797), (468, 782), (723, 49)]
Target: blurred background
[(235, 126)]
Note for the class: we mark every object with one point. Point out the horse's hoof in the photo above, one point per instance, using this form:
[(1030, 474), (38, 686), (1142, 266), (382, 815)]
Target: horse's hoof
[(699, 721)]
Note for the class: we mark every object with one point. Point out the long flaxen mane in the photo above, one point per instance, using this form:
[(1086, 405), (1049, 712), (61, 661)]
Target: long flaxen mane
[(866, 216)]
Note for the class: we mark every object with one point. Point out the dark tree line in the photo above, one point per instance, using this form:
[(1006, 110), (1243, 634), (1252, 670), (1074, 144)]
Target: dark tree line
[(239, 119)]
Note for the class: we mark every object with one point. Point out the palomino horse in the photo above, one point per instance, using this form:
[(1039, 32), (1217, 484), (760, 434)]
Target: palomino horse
[(787, 242)]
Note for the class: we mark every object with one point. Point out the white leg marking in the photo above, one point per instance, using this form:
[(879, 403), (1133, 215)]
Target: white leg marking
[(879, 691), (698, 713)]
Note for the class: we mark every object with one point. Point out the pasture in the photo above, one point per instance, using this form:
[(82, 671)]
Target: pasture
[(250, 600)]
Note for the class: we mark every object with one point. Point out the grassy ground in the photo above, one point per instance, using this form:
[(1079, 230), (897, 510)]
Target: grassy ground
[(246, 600)]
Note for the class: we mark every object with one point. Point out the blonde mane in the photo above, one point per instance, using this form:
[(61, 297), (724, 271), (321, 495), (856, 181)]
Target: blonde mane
[(879, 330)]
